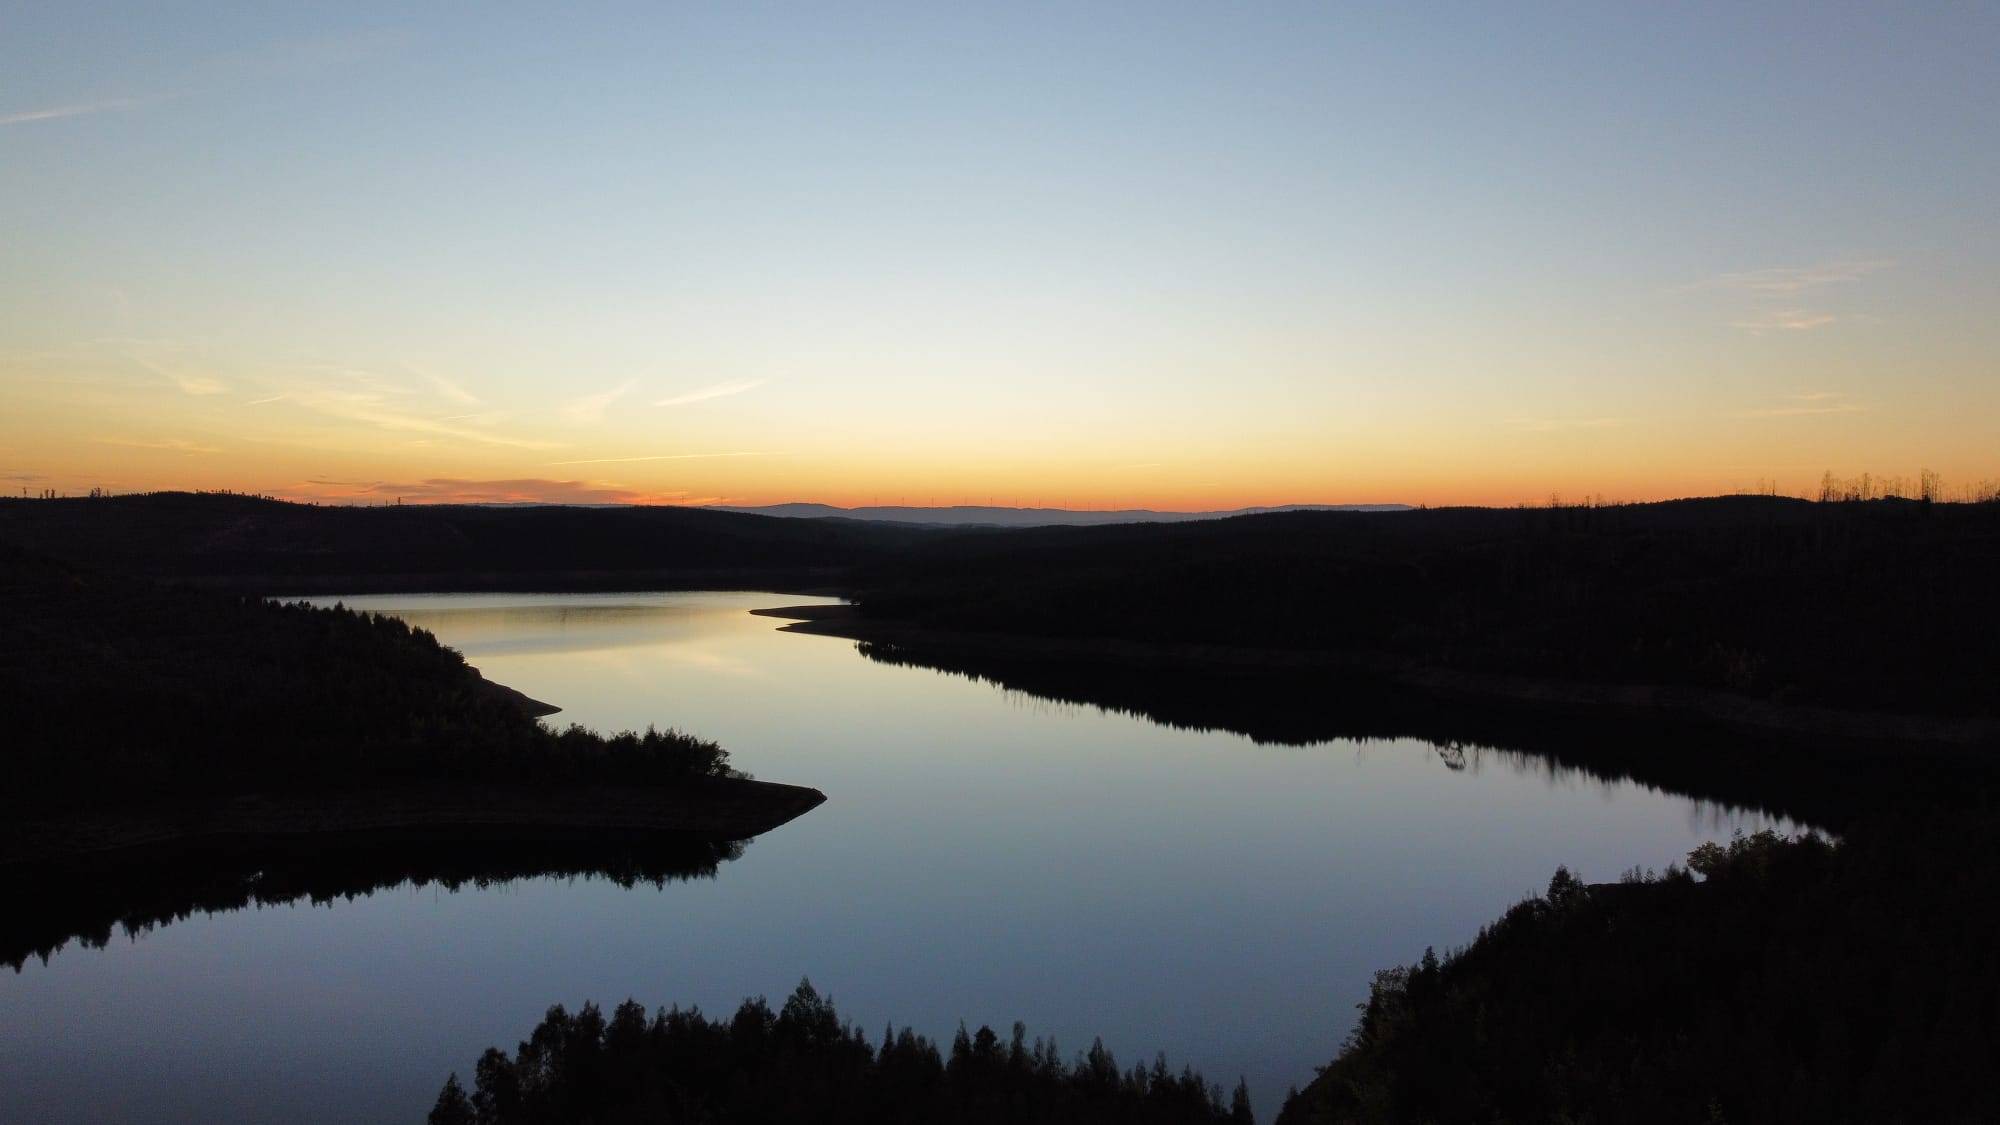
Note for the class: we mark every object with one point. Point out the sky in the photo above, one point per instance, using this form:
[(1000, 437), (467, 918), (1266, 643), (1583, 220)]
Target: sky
[(1081, 255)]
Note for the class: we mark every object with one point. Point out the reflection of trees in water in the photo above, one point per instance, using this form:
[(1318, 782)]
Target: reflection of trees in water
[(140, 889), (1723, 774)]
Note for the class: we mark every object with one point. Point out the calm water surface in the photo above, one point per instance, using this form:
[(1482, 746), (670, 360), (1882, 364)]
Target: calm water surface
[(982, 856)]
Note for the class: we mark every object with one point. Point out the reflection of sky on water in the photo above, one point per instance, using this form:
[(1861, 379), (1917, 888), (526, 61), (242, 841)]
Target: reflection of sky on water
[(983, 855)]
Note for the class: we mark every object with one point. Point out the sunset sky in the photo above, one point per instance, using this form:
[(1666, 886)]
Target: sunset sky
[(1077, 255)]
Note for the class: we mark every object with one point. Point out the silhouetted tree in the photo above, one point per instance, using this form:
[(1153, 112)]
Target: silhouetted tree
[(805, 1065)]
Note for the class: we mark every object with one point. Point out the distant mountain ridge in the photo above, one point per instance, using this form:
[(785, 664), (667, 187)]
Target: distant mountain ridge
[(979, 515)]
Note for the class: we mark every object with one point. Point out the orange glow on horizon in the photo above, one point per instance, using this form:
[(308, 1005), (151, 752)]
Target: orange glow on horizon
[(1098, 495)]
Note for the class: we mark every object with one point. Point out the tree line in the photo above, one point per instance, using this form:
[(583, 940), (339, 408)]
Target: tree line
[(1769, 980), (1884, 605), (803, 1064), (117, 688)]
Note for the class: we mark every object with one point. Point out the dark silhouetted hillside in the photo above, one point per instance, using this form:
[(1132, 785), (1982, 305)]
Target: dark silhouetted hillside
[(140, 714), (113, 683), (986, 515), (1799, 982), (1886, 604), (274, 546)]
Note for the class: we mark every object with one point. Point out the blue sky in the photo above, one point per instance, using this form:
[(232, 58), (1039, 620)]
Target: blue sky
[(1173, 255)]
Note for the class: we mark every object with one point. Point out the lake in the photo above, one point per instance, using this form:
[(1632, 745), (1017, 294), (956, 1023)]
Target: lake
[(983, 856)]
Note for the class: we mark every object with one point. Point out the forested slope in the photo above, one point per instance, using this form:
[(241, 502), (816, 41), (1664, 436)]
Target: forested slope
[(1889, 605)]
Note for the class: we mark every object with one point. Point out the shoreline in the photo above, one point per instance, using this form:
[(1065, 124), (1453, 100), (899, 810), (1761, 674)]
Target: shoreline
[(722, 809), (1698, 706), (514, 697)]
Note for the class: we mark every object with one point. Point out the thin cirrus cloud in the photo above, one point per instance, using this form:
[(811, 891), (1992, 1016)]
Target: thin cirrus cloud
[(1782, 281), (712, 391), (1785, 320), (196, 384), (1807, 404), (79, 109), (369, 406), (285, 59), (1761, 289), (522, 490), (172, 445), (590, 408), (445, 386), (671, 457), (187, 382), (1556, 425)]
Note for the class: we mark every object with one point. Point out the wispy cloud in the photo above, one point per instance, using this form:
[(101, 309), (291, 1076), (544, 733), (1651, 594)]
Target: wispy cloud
[(1554, 425), (221, 73), (77, 109), (1775, 299), (370, 405), (198, 384), (590, 408), (1785, 320), (176, 445), (168, 360), (522, 490), (445, 386), (1787, 280), (1809, 403), (671, 457), (715, 390)]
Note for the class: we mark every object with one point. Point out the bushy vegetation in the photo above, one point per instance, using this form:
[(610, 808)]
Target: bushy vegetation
[(119, 687), (1888, 604), (1797, 981), (803, 1064)]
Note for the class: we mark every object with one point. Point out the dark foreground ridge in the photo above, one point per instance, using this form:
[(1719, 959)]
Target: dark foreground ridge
[(803, 1065), (144, 715), (1798, 982)]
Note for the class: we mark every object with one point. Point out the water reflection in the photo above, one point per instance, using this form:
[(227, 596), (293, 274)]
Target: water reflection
[(134, 891), (1726, 771)]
